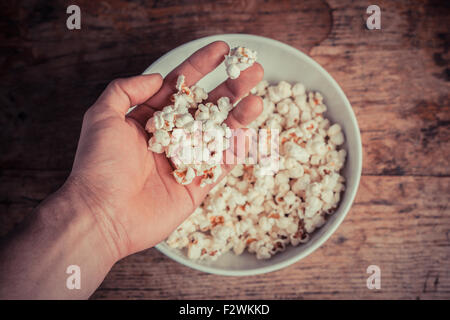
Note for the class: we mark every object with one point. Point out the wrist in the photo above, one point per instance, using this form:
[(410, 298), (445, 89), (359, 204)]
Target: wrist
[(75, 209), (64, 231)]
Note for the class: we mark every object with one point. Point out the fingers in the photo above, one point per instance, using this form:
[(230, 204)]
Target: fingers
[(199, 64), (245, 112), (241, 116), (237, 88), (141, 114), (121, 94), (194, 68)]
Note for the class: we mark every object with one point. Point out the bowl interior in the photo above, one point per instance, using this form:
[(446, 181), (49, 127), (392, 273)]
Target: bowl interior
[(280, 62)]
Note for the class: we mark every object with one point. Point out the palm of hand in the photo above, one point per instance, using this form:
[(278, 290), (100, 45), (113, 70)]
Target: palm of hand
[(132, 186), (113, 153)]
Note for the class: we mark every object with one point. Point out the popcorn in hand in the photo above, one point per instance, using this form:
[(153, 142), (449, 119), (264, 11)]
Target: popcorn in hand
[(195, 144), (238, 60), (198, 150)]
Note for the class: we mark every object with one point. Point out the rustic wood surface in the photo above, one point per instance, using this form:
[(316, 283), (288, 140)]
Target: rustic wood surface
[(396, 78)]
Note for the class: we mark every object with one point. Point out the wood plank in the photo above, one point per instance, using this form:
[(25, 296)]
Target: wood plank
[(50, 76), (403, 227), (396, 78), (407, 113), (401, 224)]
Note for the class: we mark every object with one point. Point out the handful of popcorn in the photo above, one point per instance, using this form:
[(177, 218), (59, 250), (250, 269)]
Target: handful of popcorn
[(238, 60), (193, 143)]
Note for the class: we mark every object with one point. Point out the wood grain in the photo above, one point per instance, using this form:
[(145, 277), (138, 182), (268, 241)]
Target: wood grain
[(378, 230), (396, 78)]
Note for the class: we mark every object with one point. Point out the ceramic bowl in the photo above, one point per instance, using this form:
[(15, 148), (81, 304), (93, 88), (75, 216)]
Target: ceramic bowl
[(280, 62)]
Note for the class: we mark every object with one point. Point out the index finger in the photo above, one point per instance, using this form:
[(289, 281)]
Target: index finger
[(199, 64)]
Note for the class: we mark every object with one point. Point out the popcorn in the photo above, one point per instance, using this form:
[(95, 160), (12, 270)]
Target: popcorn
[(283, 107), (280, 91), (199, 94), (295, 151), (298, 89), (239, 59), (337, 139), (184, 176), (161, 137), (292, 116), (197, 148), (260, 88), (334, 129), (313, 204), (327, 196), (222, 233), (183, 120), (210, 175), (250, 210)]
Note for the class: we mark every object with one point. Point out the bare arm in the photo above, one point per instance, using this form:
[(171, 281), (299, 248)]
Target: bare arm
[(63, 231), (120, 198)]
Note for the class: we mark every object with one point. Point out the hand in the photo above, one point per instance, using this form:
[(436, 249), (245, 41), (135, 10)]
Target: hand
[(128, 189)]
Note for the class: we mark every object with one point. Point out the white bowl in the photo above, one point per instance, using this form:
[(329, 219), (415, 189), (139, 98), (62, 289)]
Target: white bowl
[(280, 62)]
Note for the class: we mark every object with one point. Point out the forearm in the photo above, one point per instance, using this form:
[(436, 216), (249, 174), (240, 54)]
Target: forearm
[(63, 231)]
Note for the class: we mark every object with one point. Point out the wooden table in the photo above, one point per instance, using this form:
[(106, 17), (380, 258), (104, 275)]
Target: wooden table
[(396, 78)]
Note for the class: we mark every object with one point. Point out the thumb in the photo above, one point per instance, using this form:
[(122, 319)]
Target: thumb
[(121, 94)]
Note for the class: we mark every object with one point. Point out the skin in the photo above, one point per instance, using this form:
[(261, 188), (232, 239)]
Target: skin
[(120, 198)]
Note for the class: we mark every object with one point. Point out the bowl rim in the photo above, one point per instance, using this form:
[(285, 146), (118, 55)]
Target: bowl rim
[(358, 168)]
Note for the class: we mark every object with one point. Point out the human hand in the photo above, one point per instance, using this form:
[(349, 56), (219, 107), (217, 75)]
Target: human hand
[(127, 188)]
